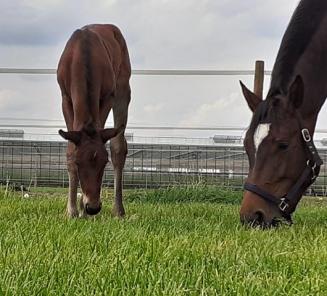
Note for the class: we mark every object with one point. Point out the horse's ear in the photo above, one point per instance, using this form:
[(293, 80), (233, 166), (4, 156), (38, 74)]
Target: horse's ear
[(252, 99), (296, 92), (72, 136), (108, 133)]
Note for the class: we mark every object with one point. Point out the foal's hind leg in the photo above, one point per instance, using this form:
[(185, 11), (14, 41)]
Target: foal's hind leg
[(118, 148)]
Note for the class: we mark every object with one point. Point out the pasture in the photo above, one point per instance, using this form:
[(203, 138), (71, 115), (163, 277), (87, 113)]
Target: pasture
[(175, 241)]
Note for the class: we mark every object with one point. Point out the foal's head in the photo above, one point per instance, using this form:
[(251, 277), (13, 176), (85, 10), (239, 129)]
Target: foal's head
[(89, 158), (275, 150)]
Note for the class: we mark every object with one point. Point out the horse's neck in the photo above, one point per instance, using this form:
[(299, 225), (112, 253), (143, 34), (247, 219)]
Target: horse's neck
[(83, 117), (314, 98), (313, 68), (310, 110), (312, 104)]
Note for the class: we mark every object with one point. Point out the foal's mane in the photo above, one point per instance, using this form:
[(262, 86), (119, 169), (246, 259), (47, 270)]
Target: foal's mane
[(90, 129), (304, 23), (86, 53)]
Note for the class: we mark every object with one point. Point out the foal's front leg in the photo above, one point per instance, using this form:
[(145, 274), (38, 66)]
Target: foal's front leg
[(72, 210)]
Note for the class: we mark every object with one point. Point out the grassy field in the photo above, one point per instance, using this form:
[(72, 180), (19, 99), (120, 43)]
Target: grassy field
[(173, 242)]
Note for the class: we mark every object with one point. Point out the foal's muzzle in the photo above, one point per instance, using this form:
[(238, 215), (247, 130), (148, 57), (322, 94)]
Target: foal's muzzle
[(92, 211)]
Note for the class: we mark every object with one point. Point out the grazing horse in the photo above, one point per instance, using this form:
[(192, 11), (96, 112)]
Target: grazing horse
[(282, 157), (93, 75)]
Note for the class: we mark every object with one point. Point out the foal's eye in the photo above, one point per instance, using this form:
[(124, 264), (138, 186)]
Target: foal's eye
[(282, 145)]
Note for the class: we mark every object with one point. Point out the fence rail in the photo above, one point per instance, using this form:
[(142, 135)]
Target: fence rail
[(144, 72)]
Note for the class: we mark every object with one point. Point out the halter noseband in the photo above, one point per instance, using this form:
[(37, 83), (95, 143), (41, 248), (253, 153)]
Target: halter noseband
[(288, 202)]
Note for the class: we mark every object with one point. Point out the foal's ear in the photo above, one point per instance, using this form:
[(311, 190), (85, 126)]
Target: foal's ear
[(252, 99), (72, 136), (296, 92), (108, 133)]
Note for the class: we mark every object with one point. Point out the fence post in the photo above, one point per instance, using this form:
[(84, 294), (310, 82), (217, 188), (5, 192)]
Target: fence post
[(259, 76)]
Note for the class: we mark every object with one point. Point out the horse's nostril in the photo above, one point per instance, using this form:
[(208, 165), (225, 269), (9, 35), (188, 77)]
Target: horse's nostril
[(92, 211), (256, 219), (259, 217)]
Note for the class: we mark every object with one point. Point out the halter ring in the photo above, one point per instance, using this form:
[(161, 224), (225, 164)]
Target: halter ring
[(306, 135)]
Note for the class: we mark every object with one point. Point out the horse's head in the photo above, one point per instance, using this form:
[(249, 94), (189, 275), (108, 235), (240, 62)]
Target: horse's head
[(277, 155), (89, 157)]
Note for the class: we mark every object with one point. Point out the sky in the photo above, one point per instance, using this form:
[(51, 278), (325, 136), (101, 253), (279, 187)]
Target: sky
[(160, 34)]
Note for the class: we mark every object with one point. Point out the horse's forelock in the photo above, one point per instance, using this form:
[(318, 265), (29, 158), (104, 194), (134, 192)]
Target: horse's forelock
[(260, 115)]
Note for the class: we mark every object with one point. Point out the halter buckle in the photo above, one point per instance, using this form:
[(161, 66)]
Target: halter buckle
[(283, 205), (306, 135)]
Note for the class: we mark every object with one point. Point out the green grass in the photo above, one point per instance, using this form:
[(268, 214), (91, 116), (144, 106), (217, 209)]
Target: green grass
[(192, 246)]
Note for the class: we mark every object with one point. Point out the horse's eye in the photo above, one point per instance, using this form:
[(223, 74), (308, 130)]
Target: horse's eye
[(282, 145)]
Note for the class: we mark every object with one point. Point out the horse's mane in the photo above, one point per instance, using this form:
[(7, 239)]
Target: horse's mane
[(304, 23)]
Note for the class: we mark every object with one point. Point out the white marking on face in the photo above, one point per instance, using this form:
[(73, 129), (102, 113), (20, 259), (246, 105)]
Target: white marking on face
[(260, 133)]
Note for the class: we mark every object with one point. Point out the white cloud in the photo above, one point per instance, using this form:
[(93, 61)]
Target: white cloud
[(151, 108), (7, 96), (229, 110), (164, 34)]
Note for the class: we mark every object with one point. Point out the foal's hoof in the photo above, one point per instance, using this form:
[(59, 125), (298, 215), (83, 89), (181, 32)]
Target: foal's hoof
[(119, 213), (72, 214), (83, 215)]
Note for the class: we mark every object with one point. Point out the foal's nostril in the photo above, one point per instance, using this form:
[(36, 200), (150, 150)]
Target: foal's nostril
[(92, 211)]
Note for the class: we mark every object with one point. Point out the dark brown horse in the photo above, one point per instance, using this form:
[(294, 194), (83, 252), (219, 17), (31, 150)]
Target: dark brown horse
[(93, 75), (283, 159)]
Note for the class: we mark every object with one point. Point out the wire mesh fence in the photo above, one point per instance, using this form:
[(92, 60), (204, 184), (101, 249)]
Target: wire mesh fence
[(43, 163)]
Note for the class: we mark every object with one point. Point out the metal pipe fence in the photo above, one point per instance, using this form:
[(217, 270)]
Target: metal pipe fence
[(150, 163), (43, 163), (172, 72)]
